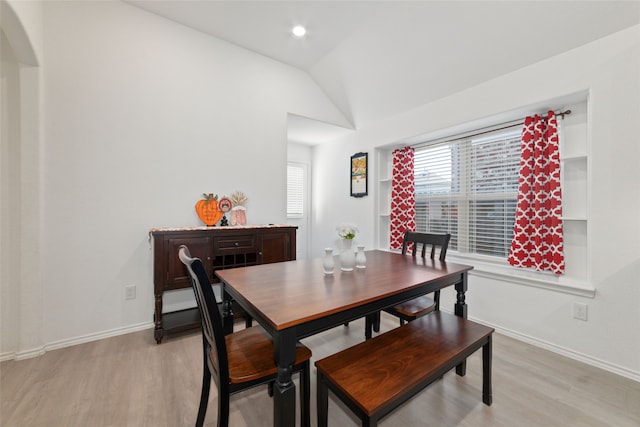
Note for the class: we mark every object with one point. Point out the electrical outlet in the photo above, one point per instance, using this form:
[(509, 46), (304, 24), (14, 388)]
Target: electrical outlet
[(580, 311), (130, 292)]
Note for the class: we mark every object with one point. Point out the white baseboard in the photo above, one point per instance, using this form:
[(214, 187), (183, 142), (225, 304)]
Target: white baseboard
[(610, 367), (27, 354), (571, 354), (8, 355)]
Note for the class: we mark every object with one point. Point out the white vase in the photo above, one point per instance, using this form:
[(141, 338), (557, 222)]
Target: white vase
[(328, 263), (361, 259), (347, 256)]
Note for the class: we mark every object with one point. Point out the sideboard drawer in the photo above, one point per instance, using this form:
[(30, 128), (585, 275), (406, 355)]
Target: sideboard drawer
[(236, 243)]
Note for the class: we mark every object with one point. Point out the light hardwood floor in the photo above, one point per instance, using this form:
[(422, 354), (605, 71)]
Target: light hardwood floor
[(131, 381)]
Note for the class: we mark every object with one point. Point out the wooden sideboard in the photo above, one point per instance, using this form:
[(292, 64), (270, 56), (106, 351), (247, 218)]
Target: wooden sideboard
[(218, 248)]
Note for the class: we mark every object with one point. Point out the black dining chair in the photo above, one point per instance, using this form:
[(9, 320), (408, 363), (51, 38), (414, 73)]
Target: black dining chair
[(240, 360), (417, 307)]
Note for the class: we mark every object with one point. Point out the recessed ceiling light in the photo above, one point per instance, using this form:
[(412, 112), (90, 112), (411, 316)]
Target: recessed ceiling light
[(299, 31)]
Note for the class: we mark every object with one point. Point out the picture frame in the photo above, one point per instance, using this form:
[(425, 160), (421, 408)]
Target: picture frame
[(359, 175)]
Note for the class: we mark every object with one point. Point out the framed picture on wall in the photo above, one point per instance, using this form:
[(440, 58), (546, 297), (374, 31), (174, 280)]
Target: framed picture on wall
[(359, 164)]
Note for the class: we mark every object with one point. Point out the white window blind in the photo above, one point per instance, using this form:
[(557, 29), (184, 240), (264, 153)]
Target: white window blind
[(295, 190), (468, 187)]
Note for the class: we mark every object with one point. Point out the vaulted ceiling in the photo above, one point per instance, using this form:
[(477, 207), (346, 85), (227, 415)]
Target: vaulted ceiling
[(376, 59)]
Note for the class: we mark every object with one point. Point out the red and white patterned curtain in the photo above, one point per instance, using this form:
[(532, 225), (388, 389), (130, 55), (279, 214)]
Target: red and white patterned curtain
[(537, 232), (403, 196)]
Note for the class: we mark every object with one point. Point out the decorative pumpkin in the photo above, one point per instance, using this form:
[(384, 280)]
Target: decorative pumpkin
[(207, 209)]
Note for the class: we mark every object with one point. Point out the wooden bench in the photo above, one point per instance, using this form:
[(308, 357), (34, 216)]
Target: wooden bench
[(376, 376)]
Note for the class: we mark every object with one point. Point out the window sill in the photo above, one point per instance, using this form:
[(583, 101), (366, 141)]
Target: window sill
[(491, 269)]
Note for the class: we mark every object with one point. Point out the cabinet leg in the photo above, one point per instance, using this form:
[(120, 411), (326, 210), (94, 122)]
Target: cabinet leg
[(157, 317)]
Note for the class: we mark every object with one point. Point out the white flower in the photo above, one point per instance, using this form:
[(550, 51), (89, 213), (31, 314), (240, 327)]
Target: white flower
[(347, 231)]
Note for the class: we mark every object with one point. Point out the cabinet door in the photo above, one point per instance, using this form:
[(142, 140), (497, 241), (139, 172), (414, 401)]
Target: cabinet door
[(277, 247), (177, 276)]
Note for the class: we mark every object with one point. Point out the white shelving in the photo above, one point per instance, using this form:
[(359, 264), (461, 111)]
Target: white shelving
[(575, 176), (384, 197), (575, 165), (574, 170)]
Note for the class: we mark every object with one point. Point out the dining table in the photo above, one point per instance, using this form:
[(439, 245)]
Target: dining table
[(295, 299)]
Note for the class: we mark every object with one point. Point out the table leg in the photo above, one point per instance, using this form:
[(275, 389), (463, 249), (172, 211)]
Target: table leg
[(227, 311), (460, 309), (376, 322), (368, 326), (284, 390)]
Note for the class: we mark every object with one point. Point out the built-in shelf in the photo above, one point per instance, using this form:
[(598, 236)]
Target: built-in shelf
[(574, 157), (574, 173), (383, 197)]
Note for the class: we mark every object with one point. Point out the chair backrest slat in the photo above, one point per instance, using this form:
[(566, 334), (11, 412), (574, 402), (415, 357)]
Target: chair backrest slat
[(426, 239), (210, 317)]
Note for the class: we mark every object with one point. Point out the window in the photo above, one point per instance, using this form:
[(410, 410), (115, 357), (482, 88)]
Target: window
[(468, 187), (295, 190)]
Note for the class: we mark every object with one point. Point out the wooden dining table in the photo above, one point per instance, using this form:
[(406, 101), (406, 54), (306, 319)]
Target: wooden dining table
[(295, 299)]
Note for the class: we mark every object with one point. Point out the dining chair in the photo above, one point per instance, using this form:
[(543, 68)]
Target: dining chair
[(417, 307), (240, 360)]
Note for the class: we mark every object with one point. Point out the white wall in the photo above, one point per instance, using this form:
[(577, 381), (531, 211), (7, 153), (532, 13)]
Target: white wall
[(609, 69), (142, 116)]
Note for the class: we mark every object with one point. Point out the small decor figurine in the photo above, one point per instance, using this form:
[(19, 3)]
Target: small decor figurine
[(238, 215), (347, 233), (207, 209), (225, 206)]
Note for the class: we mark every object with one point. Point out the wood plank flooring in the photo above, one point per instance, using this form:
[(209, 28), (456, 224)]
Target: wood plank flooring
[(131, 381)]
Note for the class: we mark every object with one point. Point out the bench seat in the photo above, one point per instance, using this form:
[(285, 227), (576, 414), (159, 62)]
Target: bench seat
[(376, 376)]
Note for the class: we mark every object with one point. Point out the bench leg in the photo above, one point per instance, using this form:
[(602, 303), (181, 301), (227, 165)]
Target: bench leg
[(487, 397), (322, 400)]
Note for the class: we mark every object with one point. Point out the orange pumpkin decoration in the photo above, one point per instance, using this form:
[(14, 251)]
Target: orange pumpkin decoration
[(207, 209)]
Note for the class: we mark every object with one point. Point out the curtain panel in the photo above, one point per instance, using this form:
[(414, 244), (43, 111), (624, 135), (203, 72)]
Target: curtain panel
[(403, 197), (537, 232)]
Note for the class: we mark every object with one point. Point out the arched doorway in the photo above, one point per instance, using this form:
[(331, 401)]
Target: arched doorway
[(20, 188)]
